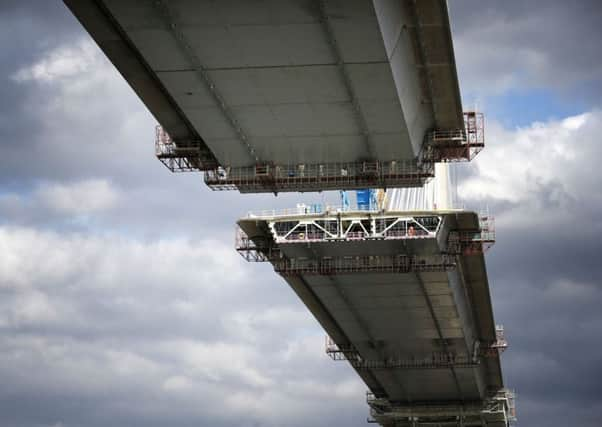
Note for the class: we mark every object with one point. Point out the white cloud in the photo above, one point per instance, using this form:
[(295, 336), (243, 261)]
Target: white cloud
[(129, 317), (177, 383), (43, 259), (79, 198), (33, 307), (60, 63), (520, 48), (219, 361), (543, 167)]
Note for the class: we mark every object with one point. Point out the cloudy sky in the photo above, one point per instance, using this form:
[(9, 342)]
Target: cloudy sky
[(123, 303)]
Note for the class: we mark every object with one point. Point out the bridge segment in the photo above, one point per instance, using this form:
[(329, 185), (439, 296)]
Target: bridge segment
[(405, 301), (292, 95)]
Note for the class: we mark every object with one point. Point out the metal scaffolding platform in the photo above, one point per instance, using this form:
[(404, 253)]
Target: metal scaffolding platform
[(498, 410), (440, 146), (310, 225), (456, 145), (436, 360), (274, 178), (182, 156), (364, 264)]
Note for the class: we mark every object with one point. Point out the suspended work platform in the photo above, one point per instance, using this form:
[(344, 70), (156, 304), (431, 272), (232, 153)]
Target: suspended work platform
[(404, 299)]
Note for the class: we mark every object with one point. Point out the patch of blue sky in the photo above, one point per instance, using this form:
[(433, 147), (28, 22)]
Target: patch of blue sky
[(522, 107)]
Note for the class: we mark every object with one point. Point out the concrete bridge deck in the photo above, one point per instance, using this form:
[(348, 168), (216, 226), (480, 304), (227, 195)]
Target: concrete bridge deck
[(404, 298), (335, 94)]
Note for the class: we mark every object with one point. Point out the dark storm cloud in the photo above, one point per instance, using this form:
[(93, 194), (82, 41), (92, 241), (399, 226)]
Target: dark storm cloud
[(29, 29), (554, 45), (546, 283)]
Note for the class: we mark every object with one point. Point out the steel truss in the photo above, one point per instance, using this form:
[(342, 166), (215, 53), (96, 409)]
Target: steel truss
[(498, 409), (353, 226), (300, 227)]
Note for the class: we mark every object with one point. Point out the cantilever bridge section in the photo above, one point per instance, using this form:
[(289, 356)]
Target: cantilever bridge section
[(292, 95), (404, 299)]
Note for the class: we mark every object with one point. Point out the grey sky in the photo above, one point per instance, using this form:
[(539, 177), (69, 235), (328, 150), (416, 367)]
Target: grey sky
[(123, 303)]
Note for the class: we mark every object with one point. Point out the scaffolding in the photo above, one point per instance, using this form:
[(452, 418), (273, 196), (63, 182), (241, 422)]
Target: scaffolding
[(473, 242), (395, 264), (436, 360), (261, 249), (304, 225), (182, 156), (439, 146), (456, 144), (360, 225), (275, 178), (497, 347), (497, 409), (256, 248)]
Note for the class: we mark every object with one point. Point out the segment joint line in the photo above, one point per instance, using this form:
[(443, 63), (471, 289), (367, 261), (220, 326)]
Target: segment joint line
[(429, 304), (336, 53), (423, 59), (171, 23)]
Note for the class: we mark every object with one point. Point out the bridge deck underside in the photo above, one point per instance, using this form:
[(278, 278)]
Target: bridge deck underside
[(286, 81), (387, 316), (403, 316)]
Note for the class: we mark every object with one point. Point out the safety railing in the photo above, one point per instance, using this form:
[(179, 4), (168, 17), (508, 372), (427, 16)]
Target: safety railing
[(435, 360), (352, 226), (473, 242), (497, 409), (182, 156), (451, 145), (320, 176), (257, 249), (396, 264)]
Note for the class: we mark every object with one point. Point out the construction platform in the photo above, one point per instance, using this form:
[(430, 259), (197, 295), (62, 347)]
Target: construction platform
[(404, 299)]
